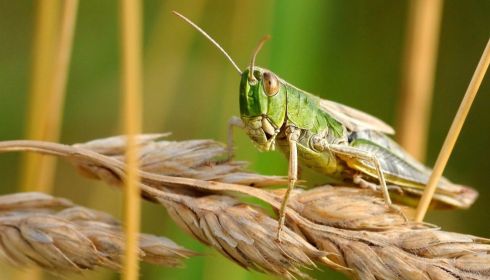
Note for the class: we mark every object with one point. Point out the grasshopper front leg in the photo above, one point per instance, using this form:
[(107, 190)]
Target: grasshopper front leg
[(233, 122), (292, 134)]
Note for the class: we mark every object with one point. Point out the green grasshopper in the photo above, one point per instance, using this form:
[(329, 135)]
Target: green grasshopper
[(333, 139)]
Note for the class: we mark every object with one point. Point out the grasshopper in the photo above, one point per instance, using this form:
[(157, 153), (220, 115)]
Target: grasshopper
[(330, 138)]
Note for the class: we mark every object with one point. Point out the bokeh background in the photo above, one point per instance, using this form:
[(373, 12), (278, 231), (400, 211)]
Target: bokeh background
[(347, 51)]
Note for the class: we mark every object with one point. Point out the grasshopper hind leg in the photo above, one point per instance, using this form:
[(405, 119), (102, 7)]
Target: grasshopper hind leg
[(348, 153)]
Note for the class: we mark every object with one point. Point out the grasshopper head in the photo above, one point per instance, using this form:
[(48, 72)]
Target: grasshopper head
[(262, 106), (262, 97)]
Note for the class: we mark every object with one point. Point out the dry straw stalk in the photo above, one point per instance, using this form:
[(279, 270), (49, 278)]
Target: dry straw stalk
[(346, 229), (420, 57), (131, 76), (453, 133)]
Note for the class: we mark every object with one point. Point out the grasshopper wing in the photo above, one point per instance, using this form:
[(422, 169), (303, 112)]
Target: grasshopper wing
[(353, 119), (401, 169)]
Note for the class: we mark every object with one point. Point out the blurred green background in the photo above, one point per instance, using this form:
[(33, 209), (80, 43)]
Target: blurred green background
[(347, 51)]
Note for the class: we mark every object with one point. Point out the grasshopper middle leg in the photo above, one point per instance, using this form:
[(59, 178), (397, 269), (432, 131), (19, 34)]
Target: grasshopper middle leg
[(359, 180)]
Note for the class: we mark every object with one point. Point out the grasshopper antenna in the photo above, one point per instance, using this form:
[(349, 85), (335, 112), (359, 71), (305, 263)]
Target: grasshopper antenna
[(210, 39), (257, 50)]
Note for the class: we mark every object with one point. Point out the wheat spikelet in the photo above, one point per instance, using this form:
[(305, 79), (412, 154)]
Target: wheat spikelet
[(347, 229), (244, 234), (199, 159), (388, 247), (38, 229)]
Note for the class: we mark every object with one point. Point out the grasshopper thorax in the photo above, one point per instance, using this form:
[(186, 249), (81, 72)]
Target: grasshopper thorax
[(262, 106)]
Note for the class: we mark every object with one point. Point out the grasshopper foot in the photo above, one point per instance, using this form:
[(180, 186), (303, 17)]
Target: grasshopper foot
[(278, 236), (357, 179), (398, 210), (280, 225), (230, 152)]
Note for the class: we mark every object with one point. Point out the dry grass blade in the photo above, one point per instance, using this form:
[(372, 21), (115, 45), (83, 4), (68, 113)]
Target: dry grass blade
[(347, 229), (38, 229)]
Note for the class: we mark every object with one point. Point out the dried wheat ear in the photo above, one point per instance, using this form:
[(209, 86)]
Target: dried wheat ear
[(343, 228), (57, 235)]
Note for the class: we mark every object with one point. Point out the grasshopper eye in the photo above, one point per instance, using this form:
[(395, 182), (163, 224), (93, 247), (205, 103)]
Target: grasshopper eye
[(271, 84)]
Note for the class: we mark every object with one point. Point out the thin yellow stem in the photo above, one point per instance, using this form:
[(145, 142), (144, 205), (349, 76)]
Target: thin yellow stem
[(51, 56), (132, 88), (49, 123), (419, 71), (453, 133), (37, 171), (61, 67)]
